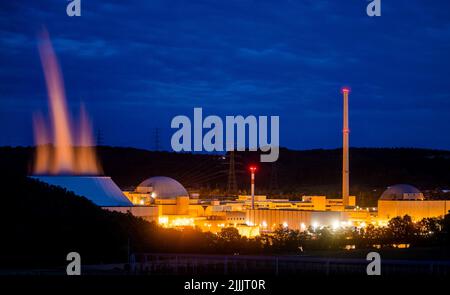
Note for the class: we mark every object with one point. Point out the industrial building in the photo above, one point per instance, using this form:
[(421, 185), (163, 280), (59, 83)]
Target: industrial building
[(402, 199), (166, 201), (265, 215), (177, 209)]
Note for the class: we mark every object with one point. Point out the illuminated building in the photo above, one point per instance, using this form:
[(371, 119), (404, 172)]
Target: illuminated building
[(318, 203), (295, 219), (165, 201), (156, 188), (402, 199), (177, 209)]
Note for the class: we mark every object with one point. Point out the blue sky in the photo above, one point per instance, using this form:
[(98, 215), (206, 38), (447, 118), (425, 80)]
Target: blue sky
[(137, 64)]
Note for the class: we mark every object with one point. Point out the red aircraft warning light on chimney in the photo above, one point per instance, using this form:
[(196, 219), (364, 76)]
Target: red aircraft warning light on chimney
[(345, 149), (252, 172)]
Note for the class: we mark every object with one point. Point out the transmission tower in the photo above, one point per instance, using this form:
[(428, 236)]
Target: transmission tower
[(232, 185)]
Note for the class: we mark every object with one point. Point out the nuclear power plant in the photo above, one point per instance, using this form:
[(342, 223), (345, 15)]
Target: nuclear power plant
[(165, 201), (71, 163)]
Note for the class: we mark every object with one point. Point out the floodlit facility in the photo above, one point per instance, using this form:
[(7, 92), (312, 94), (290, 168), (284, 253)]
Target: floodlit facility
[(166, 201), (403, 199), (250, 215)]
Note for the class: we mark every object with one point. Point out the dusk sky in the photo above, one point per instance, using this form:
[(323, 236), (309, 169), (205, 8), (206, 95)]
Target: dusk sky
[(137, 64)]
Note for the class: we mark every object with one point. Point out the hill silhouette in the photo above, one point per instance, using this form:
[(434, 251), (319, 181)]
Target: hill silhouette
[(298, 172)]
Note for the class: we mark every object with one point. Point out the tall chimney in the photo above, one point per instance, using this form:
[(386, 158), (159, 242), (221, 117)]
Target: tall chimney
[(345, 160), (252, 189)]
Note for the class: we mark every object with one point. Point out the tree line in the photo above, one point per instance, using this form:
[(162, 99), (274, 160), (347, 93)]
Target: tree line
[(40, 224), (296, 173)]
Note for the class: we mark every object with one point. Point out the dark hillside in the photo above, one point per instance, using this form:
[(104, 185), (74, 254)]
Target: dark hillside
[(295, 173)]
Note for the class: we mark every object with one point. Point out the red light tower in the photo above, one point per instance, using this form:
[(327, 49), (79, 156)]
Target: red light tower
[(252, 172)]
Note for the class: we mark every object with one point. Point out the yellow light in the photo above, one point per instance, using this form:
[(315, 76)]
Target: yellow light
[(335, 225), (315, 225), (285, 224), (264, 224), (183, 222), (302, 226), (141, 202), (382, 223), (153, 195), (163, 220)]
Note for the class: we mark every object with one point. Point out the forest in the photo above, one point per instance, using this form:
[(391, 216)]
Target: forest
[(40, 224), (296, 173)]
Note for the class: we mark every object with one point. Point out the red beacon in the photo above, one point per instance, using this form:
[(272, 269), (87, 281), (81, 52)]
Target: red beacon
[(345, 89), (252, 169)]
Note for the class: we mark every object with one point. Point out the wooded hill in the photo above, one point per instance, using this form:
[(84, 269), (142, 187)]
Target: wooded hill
[(296, 173)]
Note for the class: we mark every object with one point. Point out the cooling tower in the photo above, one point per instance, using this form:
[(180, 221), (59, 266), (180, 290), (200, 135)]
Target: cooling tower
[(101, 190)]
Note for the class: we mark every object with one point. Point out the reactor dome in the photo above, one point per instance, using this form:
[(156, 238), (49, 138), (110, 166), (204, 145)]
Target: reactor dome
[(162, 187), (402, 192)]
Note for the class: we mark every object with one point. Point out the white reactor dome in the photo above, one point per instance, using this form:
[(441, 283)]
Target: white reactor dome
[(162, 187), (402, 192)]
